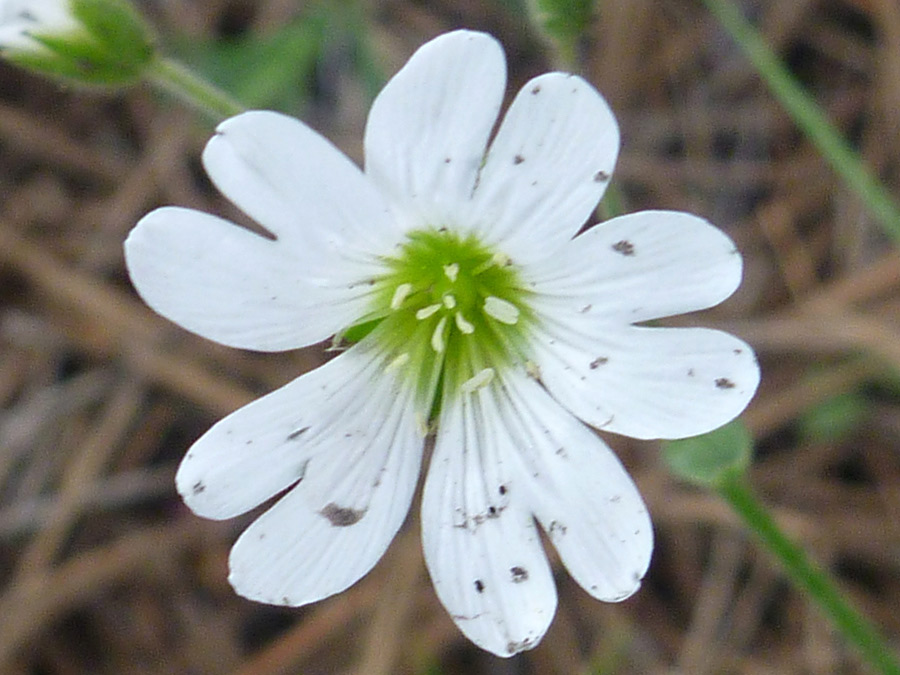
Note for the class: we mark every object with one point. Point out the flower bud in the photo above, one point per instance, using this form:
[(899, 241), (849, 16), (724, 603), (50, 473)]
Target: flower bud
[(94, 42)]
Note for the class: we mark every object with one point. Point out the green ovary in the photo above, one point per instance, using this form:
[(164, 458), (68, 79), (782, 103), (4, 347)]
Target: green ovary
[(450, 313)]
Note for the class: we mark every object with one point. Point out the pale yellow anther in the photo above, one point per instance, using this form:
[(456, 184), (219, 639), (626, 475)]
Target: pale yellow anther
[(452, 271), (400, 360), (501, 310), (337, 344), (421, 425), (402, 292), (497, 260), (437, 337), (501, 259), (481, 379), (425, 312), (449, 301), (463, 325)]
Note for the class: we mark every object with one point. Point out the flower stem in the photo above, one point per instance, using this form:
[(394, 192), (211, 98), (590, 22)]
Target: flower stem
[(809, 117), (177, 80), (808, 575)]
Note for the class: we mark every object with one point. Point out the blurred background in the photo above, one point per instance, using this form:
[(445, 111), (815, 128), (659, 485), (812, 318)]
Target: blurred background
[(102, 568)]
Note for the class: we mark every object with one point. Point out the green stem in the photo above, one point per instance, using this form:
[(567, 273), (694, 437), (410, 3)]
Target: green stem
[(809, 117), (180, 82), (809, 576)]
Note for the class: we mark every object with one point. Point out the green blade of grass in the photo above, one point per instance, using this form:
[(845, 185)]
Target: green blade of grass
[(809, 117)]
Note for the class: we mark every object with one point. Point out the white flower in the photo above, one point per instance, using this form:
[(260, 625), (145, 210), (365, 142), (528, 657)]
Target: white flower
[(455, 270), (22, 20)]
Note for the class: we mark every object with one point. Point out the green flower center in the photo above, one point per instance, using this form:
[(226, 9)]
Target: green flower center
[(450, 312)]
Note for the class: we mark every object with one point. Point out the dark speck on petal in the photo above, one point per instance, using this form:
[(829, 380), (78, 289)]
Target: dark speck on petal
[(624, 247), (341, 516), (515, 647), (294, 435)]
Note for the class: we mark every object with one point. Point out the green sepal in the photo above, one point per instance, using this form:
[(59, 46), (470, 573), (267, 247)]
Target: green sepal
[(565, 21), (110, 46), (358, 331), (711, 459), (75, 59), (118, 29)]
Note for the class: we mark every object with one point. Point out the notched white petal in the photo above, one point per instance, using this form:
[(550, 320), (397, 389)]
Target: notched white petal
[(481, 544), (266, 446), (580, 493), (295, 183), (647, 382), (428, 128), (547, 168), (335, 524), (230, 285), (641, 266)]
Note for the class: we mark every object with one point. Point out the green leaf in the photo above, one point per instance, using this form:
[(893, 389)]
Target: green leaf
[(833, 419), (273, 71), (712, 458), (564, 19), (810, 118)]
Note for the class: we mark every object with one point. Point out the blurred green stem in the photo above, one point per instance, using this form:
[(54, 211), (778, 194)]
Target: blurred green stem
[(809, 117), (807, 575), (182, 83)]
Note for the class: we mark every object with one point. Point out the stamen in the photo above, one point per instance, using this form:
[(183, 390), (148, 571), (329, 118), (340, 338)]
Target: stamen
[(498, 259), (422, 425), (337, 344), (425, 312), (402, 292), (449, 301), (397, 362), (463, 325), (481, 380), (452, 271), (503, 311), (437, 337)]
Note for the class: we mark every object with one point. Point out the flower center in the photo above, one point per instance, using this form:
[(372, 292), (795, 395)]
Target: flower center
[(450, 313)]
